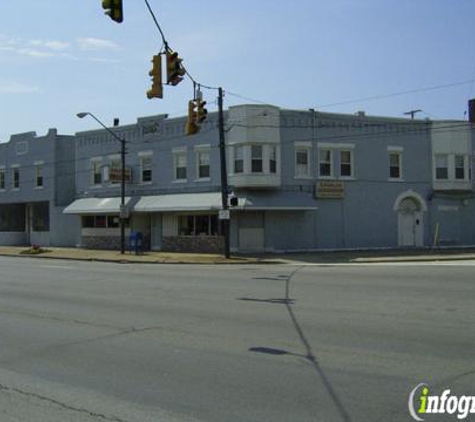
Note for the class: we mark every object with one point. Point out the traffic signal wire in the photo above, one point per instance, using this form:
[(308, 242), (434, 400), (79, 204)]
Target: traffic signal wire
[(157, 24), (167, 48)]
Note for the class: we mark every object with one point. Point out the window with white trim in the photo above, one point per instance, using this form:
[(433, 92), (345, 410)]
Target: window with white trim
[(96, 171), (442, 166), (302, 160), (179, 164), (256, 159), (115, 170), (203, 164), (325, 162), (39, 179), (146, 163), (15, 177), (395, 160), (239, 159), (460, 170), (346, 163)]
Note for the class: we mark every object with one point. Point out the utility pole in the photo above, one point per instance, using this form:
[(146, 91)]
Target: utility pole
[(224, 175), (122, 215)]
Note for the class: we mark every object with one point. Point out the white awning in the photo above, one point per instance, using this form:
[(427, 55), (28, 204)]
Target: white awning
[(206, 201), (95, 206), (180, 202)]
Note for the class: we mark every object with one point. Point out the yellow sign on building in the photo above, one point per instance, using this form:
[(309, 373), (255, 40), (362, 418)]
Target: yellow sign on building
[(330, 189)]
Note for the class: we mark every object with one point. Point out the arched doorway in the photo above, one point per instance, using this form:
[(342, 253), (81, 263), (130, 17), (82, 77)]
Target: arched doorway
[(410, 208)]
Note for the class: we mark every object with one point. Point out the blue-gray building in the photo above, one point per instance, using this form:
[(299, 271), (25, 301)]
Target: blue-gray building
[(37, 181), (304, 179)]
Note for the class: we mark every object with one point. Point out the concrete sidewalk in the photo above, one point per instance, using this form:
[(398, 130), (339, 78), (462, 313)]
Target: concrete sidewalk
[(375, 256), (408, 255), (144, 258)]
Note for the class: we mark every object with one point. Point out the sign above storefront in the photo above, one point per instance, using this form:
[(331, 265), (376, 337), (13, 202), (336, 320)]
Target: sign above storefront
[(330, 190)]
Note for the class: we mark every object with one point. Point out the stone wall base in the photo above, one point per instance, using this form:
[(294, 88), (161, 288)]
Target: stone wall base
[(110, 242), (205, 244)]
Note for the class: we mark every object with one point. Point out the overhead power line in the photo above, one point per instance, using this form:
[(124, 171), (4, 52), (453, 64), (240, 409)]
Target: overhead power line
[(395, 94)]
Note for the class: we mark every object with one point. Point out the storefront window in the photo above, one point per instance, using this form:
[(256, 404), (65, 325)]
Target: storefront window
[(40, 217), (198, 225), (102, 221)]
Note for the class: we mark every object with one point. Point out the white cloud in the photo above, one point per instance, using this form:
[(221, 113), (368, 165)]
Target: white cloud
[(12, 87), (34, 52), (52, 45), (96, 44), (102, 60)]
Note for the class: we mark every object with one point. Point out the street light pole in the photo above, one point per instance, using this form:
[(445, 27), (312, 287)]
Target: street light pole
[(224, 173), (122, 187)]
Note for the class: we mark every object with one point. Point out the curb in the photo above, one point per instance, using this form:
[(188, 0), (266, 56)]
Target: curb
[(132, 261)]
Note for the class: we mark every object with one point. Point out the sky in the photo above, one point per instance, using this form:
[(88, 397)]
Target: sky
[(60, 57)]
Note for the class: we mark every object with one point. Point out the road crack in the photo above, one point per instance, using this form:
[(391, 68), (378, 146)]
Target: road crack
[(65, 406)]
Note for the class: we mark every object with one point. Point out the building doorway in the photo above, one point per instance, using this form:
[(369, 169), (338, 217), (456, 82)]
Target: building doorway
[(410, 209)]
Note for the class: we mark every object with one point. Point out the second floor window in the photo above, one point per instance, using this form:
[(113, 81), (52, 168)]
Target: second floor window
[(180, 166), (115, 171), (2, 179), (16, 178), (345, 163), (146, 169), (441, 167), (460, 173), (239, 159), (325, 162), (203, 164), (39, 175), (394, 165), (301, 163), (256, 156), (272, 160), (96, 168)]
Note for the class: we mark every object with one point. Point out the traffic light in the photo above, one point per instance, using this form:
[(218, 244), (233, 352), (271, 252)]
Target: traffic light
[(191, 126), (201, 112), (156, 73), (175, 70), (114, 9)]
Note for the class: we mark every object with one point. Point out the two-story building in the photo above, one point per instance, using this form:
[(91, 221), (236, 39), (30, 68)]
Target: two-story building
[(37, 175), (305, 180)]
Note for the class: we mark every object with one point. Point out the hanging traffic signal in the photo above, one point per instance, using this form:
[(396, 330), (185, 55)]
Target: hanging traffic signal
[(201, 112), (191, 126), (175, 70), (114, 9), (156, 73)]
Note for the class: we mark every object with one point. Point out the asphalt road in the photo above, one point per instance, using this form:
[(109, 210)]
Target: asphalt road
[(107, 342)]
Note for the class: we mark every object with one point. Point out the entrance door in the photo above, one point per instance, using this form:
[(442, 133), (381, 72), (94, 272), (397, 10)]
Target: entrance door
[(251, 232), (410, 223)]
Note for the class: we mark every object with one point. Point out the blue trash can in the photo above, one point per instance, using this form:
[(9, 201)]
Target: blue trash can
[(135, 242)]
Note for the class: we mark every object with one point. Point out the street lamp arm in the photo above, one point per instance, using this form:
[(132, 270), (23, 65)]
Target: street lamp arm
[(87, 113)]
